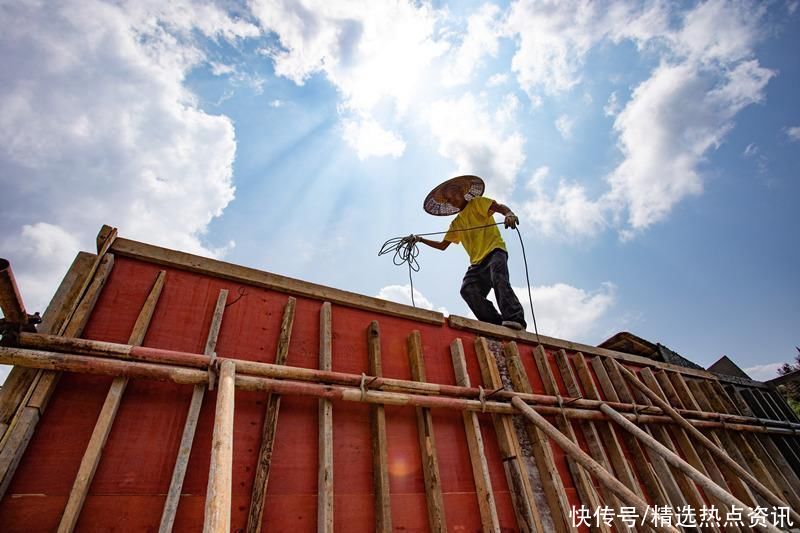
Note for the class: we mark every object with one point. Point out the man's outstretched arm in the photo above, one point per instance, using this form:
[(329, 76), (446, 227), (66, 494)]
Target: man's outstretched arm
[(511, 220), (439, 245)]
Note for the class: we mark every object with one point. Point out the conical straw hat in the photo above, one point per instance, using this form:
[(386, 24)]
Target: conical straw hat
[(436, 203)]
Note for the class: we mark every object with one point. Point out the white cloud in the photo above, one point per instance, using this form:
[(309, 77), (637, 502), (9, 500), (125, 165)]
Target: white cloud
[(497, 79), (375, 54), (402, 294), (565, 311), (564, 125), (121, 141), (672, 120), (567, 213), (480, 141), (555, 36), (763, 372), (480, 39), (793, 133), (612, 106), (371, 140)]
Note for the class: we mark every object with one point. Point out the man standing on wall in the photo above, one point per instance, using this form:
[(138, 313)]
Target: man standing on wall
[(476, 230)]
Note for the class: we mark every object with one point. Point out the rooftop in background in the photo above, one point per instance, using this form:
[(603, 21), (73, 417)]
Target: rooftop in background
[(727, 367), (629, 343)]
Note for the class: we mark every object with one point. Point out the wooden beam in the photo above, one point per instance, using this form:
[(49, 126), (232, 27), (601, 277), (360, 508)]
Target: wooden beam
[(675, 460), (258, 278), (102, 428), (518, 483), (477, 455), (596, 469), (580, 477), (644, 469), (190, 425), (325, 472), (269, 428), (715, 450), (20, 429), (499, 332), (427, 442), (380, 453), (220, 474), (552, 484)]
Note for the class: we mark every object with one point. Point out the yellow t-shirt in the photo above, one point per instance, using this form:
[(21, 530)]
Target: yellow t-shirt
[(478, 243)]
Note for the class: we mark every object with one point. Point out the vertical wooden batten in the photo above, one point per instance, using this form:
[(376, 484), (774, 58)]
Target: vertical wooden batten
[(325, 470)]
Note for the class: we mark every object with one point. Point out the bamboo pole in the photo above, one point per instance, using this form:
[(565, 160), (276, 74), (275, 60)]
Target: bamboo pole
[(254, 368), (218, 495), (427, 442), (269, 429), (190, 425), (573, 450), (380, 445), (715, 450), (325, 472), (192, 376), (108, 413), (477, 455), (675, 460)]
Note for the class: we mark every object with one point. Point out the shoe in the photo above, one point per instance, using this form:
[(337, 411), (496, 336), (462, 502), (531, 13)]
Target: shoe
[(513, 325)]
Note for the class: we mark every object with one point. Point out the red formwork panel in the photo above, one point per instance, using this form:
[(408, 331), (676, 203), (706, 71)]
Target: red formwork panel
[(130, 485)]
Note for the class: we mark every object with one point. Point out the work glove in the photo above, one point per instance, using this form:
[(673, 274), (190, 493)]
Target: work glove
[(511, 221)]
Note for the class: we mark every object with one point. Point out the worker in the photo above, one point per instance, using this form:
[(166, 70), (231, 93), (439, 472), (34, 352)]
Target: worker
[(486, 249)]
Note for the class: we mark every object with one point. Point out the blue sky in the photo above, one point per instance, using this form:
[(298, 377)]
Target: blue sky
[(650, 149)]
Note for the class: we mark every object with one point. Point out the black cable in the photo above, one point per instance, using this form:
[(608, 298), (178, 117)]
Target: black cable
[(406, 251)]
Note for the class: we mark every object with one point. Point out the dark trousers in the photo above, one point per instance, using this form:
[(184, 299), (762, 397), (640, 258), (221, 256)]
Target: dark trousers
[(492, 273)]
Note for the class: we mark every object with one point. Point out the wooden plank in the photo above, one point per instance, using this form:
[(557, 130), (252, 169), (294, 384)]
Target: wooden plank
[(258, 278), (644, 469), (603, 475), (499, 332), (688, 493), (17, 384), (270, 426), (220, 475), (477, 455), (676, 461), (325, 471), (596, 451), (427, 442), (551, 482), (602, 430), (761, 462), (525, 509), (190, 425), (380, 453), (18, 433), (102, 428)]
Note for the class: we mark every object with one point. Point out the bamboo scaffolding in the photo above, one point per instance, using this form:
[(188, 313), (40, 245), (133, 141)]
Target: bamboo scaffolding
[(192, 376), (218, 494), (270, 427), (480, 468), (108, 413), (107, 350), (596, 469), (715, 450), (190, 425), (380, 445), (675, 460)]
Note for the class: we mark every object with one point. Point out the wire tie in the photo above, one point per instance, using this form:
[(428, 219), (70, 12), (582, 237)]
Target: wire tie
[(494, 392), (482, 398), (636, 413), (363, 386)]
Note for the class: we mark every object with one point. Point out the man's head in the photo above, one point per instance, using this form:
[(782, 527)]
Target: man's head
[(452, 196)]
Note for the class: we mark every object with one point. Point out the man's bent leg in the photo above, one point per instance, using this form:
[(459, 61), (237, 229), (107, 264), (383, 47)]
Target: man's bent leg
[(507, 300), (474, 288)]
